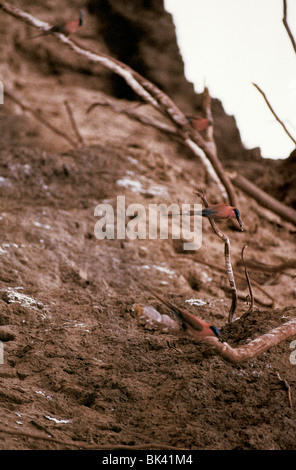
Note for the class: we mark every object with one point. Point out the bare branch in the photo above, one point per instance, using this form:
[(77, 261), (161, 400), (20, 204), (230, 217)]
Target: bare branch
[(129, 111), (274, 113), (229, 269), (263, 198), (199, 152), (285, 21), (206, 101), (73, 122), (144, 119), (40, 118), (220, 269), (83, 445), (248, 282), (288, 388), (258, 266)]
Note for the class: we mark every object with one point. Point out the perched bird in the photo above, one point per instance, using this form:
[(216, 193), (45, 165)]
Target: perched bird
[(196, 326), (217, 212), (66, 28), (199, 123)]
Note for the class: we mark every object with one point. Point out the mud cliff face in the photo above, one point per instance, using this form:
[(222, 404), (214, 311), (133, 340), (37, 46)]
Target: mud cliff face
[(80, 369), (142, 34)]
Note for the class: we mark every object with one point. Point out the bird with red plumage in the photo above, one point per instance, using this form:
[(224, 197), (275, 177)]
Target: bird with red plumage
[(217, 212), (68, 27), (191, 324), (199, 123)]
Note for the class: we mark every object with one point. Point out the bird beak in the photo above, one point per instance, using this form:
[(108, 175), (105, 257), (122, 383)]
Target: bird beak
[(217, 333), (240, 222), (81, 17), (237, 216)]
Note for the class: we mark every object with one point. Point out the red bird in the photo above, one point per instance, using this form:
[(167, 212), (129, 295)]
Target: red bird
[(191, 323), (198, 122), (218, 212), (67, 28)]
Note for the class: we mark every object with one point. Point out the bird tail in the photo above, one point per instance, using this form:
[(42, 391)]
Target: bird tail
[(189, 213), (186, 318), (174, 309), (207, 212)]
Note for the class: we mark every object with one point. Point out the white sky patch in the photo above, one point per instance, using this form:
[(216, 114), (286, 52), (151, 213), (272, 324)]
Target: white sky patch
[(226, 45)]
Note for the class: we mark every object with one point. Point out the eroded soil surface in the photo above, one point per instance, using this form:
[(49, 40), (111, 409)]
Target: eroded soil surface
[(79, 365)]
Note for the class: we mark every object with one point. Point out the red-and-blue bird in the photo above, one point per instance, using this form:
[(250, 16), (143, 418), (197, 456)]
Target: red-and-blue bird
[(195, 326), (217, 212), (68, 27), (199, 123)]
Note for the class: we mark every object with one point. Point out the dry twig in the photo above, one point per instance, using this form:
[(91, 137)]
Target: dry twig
[(209, 132), (129, 111), (288, 388), (274, 113), (238, 275), (285, 21), (270, 268), (83, 445), (40, 118), (263, 198), (73, 123), (248, 282), (206, 98), (220, 234)]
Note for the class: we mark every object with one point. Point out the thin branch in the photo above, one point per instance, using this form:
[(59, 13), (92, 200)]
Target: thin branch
[(147, 120), (83, 445), (274, 113), (41, 119), (285, 21), (129, 111), (242, 296), (238, 275), (263, 198), (270, 268), (288, 388), (73, 122), (248, 282), (225, 239), (199, 152), (209, 131), (206, 103), (234, 355)]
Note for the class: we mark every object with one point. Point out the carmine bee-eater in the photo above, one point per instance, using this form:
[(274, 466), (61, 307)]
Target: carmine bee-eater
[(217, 212), (69, 27), (196, 326), (199, 123)]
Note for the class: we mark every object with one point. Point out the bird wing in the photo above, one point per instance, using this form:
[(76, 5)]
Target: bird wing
[(215, 210)]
